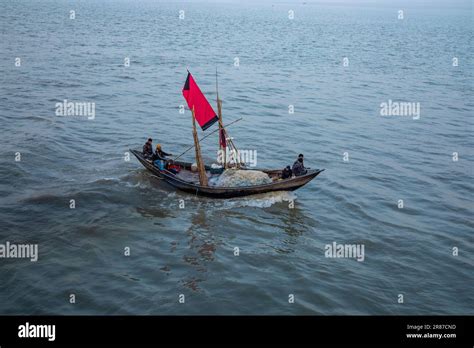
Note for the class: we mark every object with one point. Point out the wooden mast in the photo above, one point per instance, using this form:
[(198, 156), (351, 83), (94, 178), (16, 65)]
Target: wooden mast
[(228, 141), (199, 161), (223, 149)]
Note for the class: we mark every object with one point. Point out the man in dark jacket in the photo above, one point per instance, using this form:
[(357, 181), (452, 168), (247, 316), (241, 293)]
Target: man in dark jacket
[(298, 166), (286, 173), (148, 149)]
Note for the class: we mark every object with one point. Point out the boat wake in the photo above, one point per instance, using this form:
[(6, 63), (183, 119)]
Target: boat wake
[(264, 200)]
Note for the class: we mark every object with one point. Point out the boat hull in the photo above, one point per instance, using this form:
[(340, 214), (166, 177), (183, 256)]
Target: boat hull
[(227, 192)]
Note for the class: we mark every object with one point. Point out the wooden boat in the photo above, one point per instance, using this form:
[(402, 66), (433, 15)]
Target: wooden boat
[(197, 181), (188, 181)]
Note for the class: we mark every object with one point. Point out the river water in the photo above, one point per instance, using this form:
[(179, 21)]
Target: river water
[(269, 65)]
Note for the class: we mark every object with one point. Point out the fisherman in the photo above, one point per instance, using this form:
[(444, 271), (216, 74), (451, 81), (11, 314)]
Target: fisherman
[(148, 149), (160, 154), (298, 166), (286, 173)]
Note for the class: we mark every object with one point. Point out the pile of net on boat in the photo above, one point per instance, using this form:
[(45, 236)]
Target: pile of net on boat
[(237, 177)]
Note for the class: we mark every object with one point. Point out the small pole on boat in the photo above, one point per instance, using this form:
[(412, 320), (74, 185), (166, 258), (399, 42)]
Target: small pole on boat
[(222, 132), (199, 162)]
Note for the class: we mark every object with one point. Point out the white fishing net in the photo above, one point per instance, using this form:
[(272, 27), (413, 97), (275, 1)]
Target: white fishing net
[(236, 177)]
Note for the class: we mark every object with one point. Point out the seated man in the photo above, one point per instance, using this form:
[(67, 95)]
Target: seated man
[(160, 154), (298, 166), (148, 149), (286, 173)]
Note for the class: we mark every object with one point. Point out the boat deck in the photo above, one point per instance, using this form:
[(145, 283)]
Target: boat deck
[(193, 177)]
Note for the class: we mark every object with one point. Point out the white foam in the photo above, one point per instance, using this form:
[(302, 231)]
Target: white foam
[(264, 200)]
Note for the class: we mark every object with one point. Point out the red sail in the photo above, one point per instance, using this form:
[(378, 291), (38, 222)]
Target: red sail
[(203, 111)]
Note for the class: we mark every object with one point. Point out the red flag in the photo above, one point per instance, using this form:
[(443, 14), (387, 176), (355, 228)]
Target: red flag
[(203, 111)]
